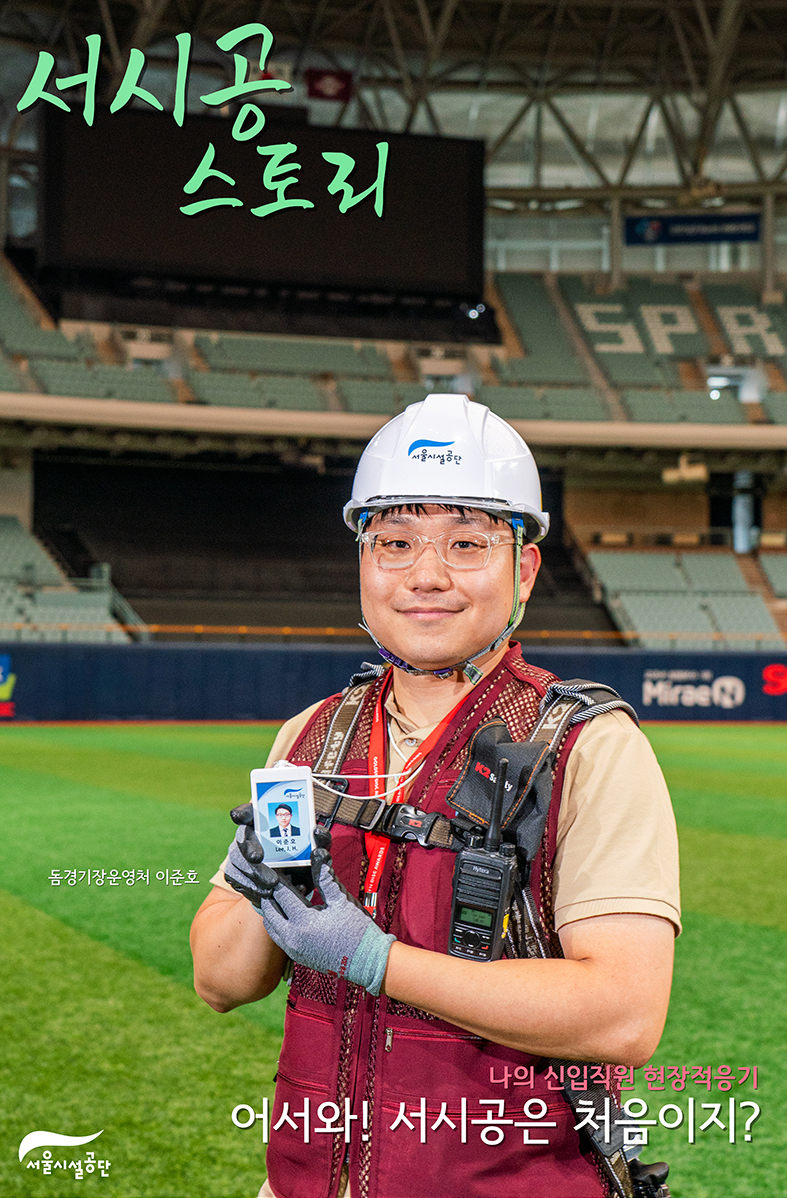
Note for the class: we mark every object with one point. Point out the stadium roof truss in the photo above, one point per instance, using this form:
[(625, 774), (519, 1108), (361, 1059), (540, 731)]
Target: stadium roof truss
[(582, 105)]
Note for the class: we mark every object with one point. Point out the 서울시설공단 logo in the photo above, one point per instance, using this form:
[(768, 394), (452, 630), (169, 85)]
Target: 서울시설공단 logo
[(50, 1163)]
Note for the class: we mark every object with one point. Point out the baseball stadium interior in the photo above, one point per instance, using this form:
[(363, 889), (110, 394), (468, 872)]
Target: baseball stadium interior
[(236, 239), (178, 393)]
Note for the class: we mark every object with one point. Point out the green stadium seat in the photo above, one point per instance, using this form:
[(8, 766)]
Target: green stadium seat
[(226, 390), (101, 381), (296, 356), (21, 334), (630, 331), (67, 378), (623, 368), (654, 407), (143, 384), (370, 395), (633, 571), (649, 301), (574, 403), (514, 403), (85, 617), (9, 379), (410, 393), (667, 621), (746, 622), (290, 393), (775, 406), (713, 573), (697, 407), (21, 556), (550, 353), (775, 567)]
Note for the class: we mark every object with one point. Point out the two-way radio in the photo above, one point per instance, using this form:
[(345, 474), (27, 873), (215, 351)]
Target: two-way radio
[(484, 877)]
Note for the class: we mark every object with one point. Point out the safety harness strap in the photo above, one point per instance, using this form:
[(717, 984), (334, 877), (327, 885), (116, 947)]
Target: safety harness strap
[(399, 821)]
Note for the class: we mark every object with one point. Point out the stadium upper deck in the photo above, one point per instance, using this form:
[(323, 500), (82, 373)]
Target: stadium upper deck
[(653, 352), (656, 367)]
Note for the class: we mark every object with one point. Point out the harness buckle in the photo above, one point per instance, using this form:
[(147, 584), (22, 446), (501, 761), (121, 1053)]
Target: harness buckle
[(405, 822), (378, 811)]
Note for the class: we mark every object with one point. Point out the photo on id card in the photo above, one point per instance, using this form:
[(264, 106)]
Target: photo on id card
[(283, 803)]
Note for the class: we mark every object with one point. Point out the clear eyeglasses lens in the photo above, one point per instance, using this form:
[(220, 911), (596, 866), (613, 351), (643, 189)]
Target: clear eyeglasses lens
[(461, 551)]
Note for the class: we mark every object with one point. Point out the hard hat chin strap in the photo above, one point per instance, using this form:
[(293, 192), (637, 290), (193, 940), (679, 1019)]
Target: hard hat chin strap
[(471, 672)]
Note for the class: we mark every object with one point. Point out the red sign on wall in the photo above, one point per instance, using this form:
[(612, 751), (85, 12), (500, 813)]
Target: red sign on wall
[(774, 679)]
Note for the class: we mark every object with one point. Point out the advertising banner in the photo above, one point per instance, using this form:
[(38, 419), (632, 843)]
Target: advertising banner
[(669, 229), (262, 682)]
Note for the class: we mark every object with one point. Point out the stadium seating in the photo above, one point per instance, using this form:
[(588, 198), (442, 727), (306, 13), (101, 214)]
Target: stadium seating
[(9, 380), (290, 392), (611, 330), (637, 572), (514, 403), (775, 405), (11, 608), (236, 390), (748, 326), (550, 354), (717, 572), (83, 616), (37, 612), (101, 381), (746, 622), (21, 556), (666, 621), (574, 403), (695, 407), (651, 406), (775, 567), (378, 396), (21, 334), (660, 310), (226, 390), (301, 356), (685, 601), (698, 407)]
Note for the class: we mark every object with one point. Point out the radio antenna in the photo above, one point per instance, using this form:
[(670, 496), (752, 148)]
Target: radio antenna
[(493, 836)]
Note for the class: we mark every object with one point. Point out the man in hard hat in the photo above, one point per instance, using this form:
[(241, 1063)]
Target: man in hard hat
[(429, 1072)]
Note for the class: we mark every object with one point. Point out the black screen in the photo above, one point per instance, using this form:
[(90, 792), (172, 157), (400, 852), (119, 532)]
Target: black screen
[(111, 196)]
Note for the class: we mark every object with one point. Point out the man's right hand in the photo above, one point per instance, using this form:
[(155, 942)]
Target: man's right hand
[(245, 870)]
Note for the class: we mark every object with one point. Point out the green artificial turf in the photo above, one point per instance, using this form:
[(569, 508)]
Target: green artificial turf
[(729, 790), (93, 1041), (101, 1027)]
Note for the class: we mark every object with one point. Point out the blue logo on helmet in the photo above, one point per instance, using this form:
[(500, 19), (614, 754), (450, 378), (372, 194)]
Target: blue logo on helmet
[(428, 445)]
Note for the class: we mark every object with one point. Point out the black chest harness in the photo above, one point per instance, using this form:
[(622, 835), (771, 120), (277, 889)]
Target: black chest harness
[(528, 795)]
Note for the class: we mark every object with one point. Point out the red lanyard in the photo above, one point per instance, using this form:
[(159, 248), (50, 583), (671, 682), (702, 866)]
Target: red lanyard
[(377, 846)]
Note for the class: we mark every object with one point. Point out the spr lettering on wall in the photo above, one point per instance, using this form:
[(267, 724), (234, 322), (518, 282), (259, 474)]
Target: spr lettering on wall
[(749, 330), (280, 170)]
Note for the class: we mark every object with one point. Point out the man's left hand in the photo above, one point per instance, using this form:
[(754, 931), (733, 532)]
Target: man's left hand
[(337, 938)]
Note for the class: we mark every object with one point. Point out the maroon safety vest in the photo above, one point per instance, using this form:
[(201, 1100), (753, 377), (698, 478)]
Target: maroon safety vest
[(342, 1043)]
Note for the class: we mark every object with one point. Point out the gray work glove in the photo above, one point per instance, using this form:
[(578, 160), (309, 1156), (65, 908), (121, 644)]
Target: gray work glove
[(244, 869), (336, 937)]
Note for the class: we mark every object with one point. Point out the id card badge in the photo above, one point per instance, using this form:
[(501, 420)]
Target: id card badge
[(283, 803)]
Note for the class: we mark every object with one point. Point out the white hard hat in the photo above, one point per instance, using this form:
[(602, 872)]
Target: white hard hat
[(448, 450)]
